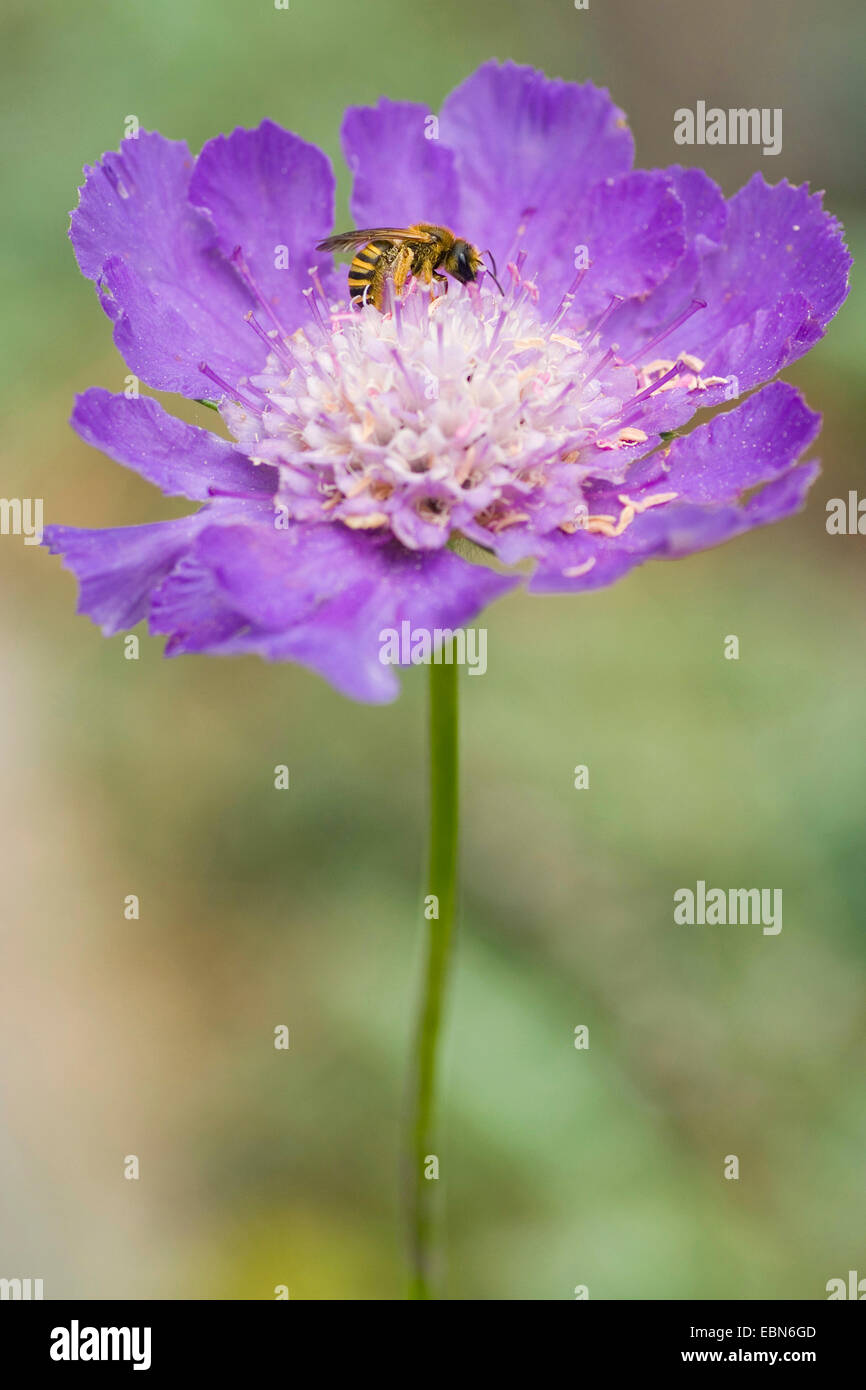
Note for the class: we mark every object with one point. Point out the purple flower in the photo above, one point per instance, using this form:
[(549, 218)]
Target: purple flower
[(367, 447)]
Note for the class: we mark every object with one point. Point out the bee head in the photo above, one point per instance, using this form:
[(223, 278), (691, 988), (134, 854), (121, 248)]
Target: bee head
[(465, 262)]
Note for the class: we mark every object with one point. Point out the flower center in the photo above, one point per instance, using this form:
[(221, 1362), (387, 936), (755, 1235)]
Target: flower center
[(465, 413)]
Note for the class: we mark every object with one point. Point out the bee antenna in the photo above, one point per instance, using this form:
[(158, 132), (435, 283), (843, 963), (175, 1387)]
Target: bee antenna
[(492, 273)]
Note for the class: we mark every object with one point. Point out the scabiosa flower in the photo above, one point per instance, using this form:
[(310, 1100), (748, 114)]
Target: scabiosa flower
[(366, 447)]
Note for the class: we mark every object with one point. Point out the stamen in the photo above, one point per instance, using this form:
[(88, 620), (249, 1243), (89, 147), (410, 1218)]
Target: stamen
[(269, 402), (514, 273), (628, 409), (674, 324), (231, 391), (237, 260), (591, 333), (497, 331), (273, 344), (475, 299), (527, 288), (398, 316), (567, 299), (558, 400), (313, 272), (599, 364), (311, 299), (401, 365), (389, 295), (526, 218)]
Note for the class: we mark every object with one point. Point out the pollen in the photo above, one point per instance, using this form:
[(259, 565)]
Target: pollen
[(366, 522), (575, 571), (614, 526)]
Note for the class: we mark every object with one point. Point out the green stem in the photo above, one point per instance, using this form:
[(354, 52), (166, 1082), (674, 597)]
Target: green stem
[(442, 884)]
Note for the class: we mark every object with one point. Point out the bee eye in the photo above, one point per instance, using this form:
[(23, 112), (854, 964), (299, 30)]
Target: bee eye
[(464, 266)]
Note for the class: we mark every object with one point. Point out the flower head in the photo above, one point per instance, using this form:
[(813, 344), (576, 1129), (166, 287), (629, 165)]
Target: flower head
[(365, 445)]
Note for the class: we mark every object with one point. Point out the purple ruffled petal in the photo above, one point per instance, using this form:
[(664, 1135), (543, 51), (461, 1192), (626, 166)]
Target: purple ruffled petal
[(705, 216), (191, 609), (769, 273), (401, 174), (528, 150), (703, 474), (319, 595), (119, 568), (778, 241), (175, 300), (271, 194), (182, 460), (755, 443), (632, 228), (776, 277)]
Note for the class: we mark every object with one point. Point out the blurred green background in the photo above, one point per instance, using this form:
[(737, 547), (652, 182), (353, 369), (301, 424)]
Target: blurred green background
[(260, 907)]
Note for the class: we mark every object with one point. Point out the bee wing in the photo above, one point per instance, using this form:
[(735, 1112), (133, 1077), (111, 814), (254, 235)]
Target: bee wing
[(345, 241)]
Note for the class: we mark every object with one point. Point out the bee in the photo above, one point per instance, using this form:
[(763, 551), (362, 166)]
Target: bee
[(423, 250)]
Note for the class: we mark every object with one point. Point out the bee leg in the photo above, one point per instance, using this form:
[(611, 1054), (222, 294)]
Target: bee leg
[(402, 266), (429, 275)]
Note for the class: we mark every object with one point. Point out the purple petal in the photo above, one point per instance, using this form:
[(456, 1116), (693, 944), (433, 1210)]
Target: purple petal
[(182, 460), (271, 194), (164, 345), (175, 300), (755, 443), (708, 470), (778, 276), (401, 176), (581, 563), (706, 212), (320, 595), (528, 150), (757, 318), (118, 569), (192, 610), (704, 219), (783, 497), (632, 228)]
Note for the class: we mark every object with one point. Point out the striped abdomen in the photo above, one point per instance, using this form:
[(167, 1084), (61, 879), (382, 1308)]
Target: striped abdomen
[(367, 271)]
